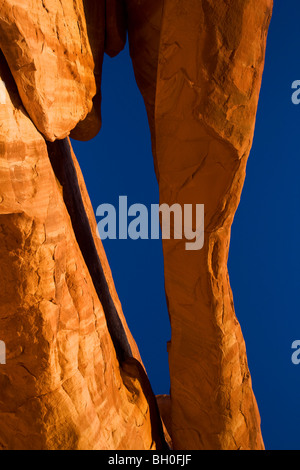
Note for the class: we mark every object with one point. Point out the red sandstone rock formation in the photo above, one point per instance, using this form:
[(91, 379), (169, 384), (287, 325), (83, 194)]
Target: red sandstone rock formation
[(210, 63), (74, 378), (64, 386), (47, 49)]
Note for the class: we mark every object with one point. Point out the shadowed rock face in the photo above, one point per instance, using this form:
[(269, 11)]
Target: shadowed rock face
[(74, 378)]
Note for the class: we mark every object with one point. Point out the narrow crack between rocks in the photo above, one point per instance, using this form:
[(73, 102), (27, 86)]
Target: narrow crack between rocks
[(63, 166)]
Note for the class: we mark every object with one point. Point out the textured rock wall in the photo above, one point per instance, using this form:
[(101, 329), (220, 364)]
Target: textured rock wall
[(48, 52), (74, 377), (209, 69), (63, 386)]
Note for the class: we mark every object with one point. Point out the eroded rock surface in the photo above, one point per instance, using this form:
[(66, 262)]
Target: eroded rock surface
[(210, 63), (74, 377), (49, 54), (63, 386)]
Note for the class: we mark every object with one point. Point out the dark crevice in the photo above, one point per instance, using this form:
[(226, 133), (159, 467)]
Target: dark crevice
[(63, 166), (64, 169)]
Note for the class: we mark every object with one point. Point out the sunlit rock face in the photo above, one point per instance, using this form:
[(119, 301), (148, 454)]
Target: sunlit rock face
[(201, 87), (73, 377), (50, 56), (64, 385)]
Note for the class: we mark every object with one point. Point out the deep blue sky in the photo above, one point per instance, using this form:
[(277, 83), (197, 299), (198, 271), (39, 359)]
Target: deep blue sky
[(264, 252)]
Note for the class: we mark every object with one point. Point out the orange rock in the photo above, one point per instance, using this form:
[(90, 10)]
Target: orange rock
[(144, 25), (164, 405), (210, 64), (95, 20), (116, 27), (63, 386), (47, 49), (74, 378)]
